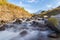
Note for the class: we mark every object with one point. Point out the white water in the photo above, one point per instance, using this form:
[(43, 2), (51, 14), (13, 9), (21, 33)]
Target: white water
[(6, 35), (32, 35), (14, 33)]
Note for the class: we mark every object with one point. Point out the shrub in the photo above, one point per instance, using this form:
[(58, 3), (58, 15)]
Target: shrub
[(53, 21)]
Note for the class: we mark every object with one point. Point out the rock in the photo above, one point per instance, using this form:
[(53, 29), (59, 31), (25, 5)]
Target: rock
[(40, 26), (2, 28), (53, 35), (52, 27), (28, 20), (5, 25), (17, 21), (37, 24), (2, 21), (23, 33), (52, 24), (34, 23), (39, 19)]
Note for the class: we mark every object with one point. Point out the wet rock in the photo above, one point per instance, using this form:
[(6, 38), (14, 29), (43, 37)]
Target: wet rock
[(23, 33), (2, 28), (6, 26), (34, 23), (52, 27), (53, 35), (17, 21), (2, 21), (40, 26), (38, 19), (28, 20), (11, 26)]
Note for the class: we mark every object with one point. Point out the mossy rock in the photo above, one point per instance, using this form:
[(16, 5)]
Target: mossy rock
[(53, 21)]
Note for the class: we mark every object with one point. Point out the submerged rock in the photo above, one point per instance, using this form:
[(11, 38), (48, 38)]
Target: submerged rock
[(23, 33)]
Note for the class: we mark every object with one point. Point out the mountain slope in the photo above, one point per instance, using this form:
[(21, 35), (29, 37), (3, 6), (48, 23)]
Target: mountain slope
[(51, 12), (9, 12), (40, 11)]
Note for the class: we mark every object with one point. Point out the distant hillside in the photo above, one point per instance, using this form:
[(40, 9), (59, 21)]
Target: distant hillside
[(51, 12), (39, 12), (9, 11)]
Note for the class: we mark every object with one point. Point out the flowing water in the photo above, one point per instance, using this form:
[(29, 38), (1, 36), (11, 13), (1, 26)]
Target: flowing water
[(23, 31)]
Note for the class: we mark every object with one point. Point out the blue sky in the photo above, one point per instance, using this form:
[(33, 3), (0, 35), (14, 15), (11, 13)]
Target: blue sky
[(33, 6)]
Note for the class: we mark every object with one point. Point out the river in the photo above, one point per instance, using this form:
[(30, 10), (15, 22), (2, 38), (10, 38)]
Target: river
[(24, 31)]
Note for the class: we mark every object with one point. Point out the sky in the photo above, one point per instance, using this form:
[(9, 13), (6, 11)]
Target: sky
[(33, 6)]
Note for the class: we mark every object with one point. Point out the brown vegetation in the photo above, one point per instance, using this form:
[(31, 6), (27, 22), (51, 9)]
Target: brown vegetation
[(9, 12), (51, 12)]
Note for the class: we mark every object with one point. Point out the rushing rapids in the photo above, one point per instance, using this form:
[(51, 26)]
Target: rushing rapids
[(27, 30)]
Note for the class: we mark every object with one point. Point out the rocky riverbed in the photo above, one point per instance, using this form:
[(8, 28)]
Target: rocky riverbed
[(26, 30)]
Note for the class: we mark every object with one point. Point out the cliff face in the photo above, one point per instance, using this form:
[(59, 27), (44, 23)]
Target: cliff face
[(9, 12)]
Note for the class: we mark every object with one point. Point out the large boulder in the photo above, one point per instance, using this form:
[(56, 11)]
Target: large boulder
[(52, 24), (54, 21)]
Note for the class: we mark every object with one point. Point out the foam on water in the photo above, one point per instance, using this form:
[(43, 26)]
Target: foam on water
[(13, 33), (6, 35)]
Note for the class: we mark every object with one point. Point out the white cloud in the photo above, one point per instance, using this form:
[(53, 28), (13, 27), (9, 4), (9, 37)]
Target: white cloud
[(58, 3), (20, 2), (31, 1), (49, 6)]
